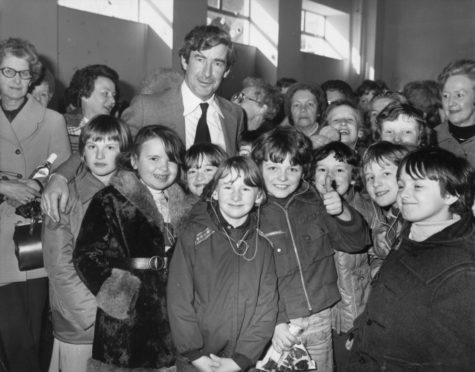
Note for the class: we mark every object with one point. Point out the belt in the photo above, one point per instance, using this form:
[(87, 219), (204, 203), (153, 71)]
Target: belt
[(148, 263)]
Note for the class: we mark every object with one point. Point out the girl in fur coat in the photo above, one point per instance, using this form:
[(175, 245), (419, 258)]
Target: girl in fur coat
[(122, 254)]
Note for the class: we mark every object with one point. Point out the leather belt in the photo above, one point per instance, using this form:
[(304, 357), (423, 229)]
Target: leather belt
[(148, 263)]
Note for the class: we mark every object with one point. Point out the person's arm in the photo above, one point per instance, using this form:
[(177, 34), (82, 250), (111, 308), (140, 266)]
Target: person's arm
[(452, 308), (18, 192), (134, 115), (56, 193), (58, 246), (352, 235), (183, 319)]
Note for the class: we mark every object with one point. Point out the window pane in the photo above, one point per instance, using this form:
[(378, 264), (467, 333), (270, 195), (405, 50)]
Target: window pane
[(238, 28), (237, 6), (302, 20), (315, 24), (317, 45), (213, 3)]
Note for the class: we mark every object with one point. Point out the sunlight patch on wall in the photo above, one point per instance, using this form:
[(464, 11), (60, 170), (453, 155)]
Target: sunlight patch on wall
[(158, 14), (356, 60), (264, 32)]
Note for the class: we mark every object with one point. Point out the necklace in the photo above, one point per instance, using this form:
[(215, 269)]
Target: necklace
[(240, 247)]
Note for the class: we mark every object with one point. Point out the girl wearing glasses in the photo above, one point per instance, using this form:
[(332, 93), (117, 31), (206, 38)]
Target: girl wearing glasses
[(28, 134)]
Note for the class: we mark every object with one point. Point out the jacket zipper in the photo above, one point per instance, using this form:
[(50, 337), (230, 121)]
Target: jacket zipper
[(295, 249)]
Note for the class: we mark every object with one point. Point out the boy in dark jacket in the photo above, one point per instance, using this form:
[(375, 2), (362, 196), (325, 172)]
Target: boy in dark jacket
[(304, 229)]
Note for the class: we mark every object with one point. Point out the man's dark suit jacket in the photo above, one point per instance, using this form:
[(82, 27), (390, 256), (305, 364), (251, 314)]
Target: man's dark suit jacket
[(166, 108)]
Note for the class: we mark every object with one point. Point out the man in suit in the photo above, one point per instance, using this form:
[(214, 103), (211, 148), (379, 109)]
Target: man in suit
[(206, 58)]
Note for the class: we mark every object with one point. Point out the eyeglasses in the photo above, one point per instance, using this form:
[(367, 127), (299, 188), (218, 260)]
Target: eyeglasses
[(11, 73), (239, 97)]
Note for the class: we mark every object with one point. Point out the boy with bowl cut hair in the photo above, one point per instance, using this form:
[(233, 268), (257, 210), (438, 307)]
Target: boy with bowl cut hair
[(304, 228)]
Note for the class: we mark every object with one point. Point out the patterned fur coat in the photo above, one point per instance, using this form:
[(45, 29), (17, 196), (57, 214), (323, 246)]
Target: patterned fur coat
[(122, 222)]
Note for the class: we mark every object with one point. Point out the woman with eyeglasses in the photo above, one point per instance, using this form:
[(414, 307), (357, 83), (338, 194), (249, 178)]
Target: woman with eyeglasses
[(260, 101), (29, 133)]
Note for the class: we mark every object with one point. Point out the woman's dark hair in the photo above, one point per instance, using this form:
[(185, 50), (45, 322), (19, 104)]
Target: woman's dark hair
[(315, 90), (174, 147), (82, 83), (22, 48), (342, 153), (285, 82), (281, 142), (207, 37), (369, 86), (240, 165), (195, 154), (340, 86), (454, 174), (103, 127)]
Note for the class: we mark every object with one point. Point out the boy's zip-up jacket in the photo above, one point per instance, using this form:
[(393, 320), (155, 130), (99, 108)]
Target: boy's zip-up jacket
[(303, 238)]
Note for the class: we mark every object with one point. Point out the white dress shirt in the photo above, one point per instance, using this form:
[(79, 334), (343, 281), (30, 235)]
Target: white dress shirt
[(192, 113)]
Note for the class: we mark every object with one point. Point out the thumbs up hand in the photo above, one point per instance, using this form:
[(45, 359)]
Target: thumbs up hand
[(331, 198)]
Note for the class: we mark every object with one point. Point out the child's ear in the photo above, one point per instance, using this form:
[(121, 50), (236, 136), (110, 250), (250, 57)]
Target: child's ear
[(133, 161), (259, 198), (450, 199), (214, 195), (360, 133)]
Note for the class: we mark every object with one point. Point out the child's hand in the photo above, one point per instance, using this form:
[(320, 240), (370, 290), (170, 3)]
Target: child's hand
[(225, 364), (381, 247), (283, 340), (331, 199), (205, 364)]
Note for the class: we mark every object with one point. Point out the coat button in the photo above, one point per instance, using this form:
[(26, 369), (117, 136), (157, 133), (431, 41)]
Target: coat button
[(369, 322), (18, 151), (362, 360), (279, 250)]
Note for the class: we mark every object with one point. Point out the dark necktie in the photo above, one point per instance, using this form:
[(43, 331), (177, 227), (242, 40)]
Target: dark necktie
[(202, 130)]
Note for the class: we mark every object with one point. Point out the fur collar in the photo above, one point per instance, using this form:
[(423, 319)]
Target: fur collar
[(129, 185)]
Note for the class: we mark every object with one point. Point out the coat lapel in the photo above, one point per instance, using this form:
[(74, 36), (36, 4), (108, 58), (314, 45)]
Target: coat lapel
[(176, 108), (127, 183), (25, 123)]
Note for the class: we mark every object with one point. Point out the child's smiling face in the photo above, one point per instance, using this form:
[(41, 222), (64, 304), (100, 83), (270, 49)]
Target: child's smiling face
[(337, 170), (235, 198), (199, 175), (281, 179), (154, 167), (421, 199), (381, 182)]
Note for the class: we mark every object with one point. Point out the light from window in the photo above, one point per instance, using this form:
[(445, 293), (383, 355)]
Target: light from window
[(238, 28), (324, 31), (314, 24), (231, 15), (238, 7), (158, 14)]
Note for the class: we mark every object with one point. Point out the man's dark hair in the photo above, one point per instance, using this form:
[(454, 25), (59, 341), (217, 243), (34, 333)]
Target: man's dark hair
[(206, 37)]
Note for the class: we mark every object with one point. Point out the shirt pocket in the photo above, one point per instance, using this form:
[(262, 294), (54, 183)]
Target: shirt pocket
[(314, 244)]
